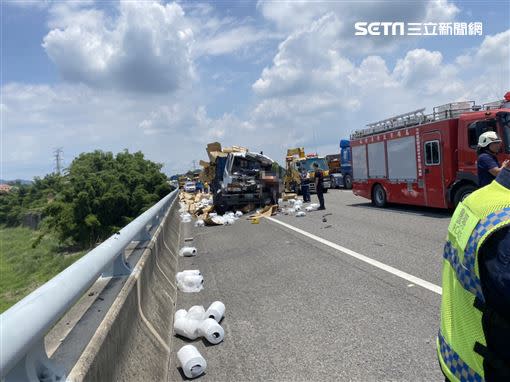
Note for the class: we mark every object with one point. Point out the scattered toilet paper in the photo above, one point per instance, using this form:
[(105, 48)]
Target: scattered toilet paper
[(190, 281), (181, 313), (185, 217), (192, 362), (188, 251), (196, 312), (211, 331), (187, 327), (300, 214), (199, 323), (239, 214), (216, 311), (199, 223)]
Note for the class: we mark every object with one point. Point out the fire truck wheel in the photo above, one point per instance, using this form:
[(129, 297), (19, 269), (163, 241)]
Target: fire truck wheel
[(463, 192), (348, 182), (379, 196)]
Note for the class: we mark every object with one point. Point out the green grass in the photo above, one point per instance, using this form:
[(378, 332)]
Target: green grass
[(23, 268)]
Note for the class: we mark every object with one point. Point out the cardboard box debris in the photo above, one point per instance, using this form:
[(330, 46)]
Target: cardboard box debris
[(267, 211), (288, 196)]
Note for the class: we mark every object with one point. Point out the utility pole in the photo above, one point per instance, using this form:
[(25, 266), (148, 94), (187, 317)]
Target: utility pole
[(58, 159)]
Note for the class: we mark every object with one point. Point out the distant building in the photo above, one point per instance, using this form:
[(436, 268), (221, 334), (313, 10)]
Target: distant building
[(5, 188)]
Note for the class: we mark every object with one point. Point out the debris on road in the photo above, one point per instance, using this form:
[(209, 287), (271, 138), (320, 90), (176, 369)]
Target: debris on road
[(188, 251), (312, 207), (192, 362), (195, 323), (216, 310), (300, 214), (267, 211), (190, 281)]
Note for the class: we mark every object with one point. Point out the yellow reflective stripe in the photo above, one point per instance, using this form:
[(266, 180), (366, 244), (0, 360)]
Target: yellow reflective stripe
[(462, 225)]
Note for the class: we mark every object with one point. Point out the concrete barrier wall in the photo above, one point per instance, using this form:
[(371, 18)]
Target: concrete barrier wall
[(133, 341)]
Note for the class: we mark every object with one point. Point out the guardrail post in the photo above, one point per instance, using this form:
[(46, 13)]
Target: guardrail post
[(35, 366), (119, 267)]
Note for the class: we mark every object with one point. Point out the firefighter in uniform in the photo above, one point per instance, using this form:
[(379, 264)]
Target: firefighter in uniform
[(472, 343)]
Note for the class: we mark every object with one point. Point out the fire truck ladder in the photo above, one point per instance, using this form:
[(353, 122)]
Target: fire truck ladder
[(402, 120), (417, 117)]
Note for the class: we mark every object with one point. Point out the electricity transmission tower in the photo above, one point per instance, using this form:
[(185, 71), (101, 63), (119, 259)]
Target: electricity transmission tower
[(58, 159)]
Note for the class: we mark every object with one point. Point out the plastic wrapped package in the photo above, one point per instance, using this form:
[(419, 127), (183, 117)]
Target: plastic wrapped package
[(190, 281), (199, 223), (196, 312), (192, 362)]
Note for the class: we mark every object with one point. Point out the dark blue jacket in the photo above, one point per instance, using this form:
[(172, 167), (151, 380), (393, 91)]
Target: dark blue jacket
[(486, 161), (494, 265)]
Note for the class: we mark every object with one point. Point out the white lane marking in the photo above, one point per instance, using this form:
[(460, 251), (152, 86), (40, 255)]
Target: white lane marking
[(397, 272)]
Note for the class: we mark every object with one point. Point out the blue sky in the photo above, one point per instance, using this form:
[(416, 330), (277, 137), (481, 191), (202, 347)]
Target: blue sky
[(167, 78)]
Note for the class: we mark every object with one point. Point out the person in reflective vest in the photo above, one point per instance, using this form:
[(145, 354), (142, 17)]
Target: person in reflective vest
[(473, 342)]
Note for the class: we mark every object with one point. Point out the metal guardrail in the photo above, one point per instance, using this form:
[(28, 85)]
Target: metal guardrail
[(23, 326)]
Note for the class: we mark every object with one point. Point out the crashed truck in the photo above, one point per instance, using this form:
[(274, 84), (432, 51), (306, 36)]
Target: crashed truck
[(240, 179)]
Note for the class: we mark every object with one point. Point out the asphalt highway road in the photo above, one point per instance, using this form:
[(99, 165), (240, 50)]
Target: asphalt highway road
[(299, 309)]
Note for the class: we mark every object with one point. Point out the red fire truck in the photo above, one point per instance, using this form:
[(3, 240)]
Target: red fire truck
[(426, 159)]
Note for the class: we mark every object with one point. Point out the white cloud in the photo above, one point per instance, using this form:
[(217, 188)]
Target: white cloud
[(169, 129), (145, 48), (441, 10), (230, 40), (295, 16), (313, 88)]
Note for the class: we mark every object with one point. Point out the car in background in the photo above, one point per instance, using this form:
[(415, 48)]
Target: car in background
[(190, 187)]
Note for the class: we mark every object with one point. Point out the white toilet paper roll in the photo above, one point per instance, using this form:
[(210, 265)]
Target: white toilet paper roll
[(192, 362), (196, 312), (211, 331), (216, 311), (181, 313), (190, 283), (188, 251), (187, 328), (300, 214)]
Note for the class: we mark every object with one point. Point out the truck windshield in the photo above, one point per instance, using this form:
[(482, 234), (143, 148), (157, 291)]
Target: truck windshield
[(504, 119), (308, 164), (245, 166)]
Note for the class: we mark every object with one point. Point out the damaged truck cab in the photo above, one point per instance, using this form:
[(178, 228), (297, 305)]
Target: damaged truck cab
[(242, 179)]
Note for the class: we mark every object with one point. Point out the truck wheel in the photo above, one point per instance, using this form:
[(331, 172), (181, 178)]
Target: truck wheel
[(332, 182), (463, 192), (379, 196), (325, 190), (348, 182)]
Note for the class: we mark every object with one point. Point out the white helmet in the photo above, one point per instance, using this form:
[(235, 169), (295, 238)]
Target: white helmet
[(487, 138)]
